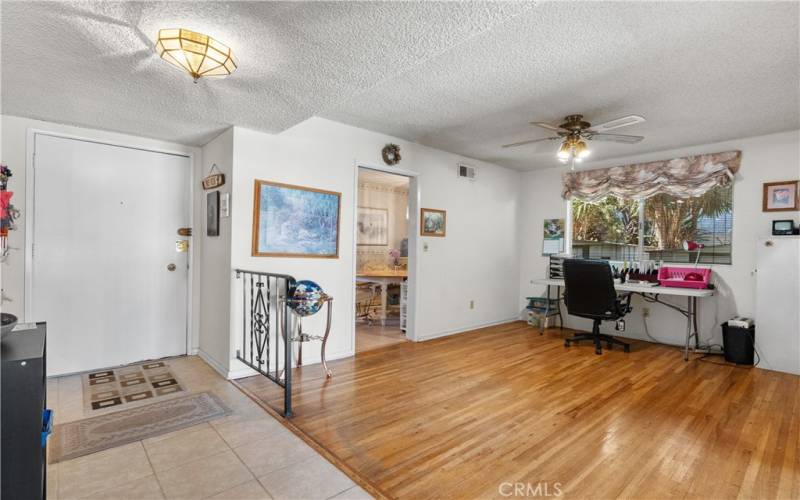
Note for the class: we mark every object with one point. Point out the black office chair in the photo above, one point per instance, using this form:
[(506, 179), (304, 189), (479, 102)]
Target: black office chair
[(590, 294)]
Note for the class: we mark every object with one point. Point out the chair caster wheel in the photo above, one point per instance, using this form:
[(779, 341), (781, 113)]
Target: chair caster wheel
[(598, 351), (566, 343), (627, 348)]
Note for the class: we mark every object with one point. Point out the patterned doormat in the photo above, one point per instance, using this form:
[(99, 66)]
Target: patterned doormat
[(90, 435), (129, 386)]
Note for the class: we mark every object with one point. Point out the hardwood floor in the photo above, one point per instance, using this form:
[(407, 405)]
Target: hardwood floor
[(463, 416), (374, 336)]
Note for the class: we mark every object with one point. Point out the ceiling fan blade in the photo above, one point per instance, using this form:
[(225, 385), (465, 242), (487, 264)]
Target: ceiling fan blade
[(617, 123), (549, 126), (627, 139), (522, 143)]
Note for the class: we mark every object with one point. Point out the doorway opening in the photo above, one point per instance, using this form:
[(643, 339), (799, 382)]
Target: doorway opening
[(384, 221)]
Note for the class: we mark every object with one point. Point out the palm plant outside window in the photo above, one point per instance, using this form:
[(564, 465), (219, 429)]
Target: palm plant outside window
[(610, 228)]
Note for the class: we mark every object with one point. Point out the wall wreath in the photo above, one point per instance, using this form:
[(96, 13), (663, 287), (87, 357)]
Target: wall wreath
[(391, 154)]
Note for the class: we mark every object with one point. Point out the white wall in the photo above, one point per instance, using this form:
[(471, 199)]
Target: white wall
[(16, 152), (214, 263), (774, 157), (478, 260)]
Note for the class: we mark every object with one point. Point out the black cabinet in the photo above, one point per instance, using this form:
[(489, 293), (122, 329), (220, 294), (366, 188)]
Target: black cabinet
[(23, 404)]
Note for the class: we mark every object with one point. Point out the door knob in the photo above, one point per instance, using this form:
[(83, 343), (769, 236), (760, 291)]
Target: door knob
[(171, 267)]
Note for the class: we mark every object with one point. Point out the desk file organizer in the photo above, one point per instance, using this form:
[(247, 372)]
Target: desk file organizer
[(676, 277)]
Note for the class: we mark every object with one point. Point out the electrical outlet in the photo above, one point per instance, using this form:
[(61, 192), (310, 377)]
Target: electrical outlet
[(472, 304), (645, 312)]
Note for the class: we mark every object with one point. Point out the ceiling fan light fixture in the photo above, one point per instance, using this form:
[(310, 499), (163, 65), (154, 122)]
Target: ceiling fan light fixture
[(574, 131), (581, 150), (564, 151), (196, 53)]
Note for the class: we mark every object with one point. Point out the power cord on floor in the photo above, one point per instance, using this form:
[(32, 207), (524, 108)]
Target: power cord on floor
[(708, 347), (704, 346), (727, 363)]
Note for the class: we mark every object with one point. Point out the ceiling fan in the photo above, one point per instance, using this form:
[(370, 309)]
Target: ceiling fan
[(574, 130)]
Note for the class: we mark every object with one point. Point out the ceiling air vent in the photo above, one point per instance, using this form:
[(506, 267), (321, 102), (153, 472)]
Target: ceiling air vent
[(467, 172)]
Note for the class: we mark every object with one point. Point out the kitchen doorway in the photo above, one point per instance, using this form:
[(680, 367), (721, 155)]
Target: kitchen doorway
[(385, 244)]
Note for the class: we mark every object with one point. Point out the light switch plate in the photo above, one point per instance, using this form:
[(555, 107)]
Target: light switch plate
[(225, 205)]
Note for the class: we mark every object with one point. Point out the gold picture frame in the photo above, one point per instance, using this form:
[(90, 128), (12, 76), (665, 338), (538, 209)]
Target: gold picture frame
[(432, 222), (781, 196), (325, 206)]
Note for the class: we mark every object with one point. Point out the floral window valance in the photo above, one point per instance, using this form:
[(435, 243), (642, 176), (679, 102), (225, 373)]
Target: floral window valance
[(685, 177)]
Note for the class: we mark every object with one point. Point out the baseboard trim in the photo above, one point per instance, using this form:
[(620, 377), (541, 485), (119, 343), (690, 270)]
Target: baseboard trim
[(465, 329), (212, 363), (245, 371), (330, 357), (240, 371)]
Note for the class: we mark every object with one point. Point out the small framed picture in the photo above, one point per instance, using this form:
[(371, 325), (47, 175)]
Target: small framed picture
[(212, 213), (781, 196), (433, 222)]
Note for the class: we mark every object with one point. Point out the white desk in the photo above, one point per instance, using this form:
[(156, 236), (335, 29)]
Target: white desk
[(651, 294)]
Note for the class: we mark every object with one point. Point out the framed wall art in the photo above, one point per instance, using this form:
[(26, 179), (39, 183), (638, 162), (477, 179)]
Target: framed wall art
[(781, 196), (372, 228), (212, 214), (295, 221), (433, 222)]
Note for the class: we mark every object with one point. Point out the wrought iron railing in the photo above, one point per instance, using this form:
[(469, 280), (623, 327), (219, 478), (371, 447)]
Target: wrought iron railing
[(265, 346)]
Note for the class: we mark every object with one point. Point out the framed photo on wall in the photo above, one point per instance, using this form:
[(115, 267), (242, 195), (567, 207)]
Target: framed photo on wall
[(433, 222), (781, 196), (295, 221), (212, 214), (372, 228)]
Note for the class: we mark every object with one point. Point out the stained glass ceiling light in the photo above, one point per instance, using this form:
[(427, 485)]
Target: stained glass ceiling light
[(196, 53)]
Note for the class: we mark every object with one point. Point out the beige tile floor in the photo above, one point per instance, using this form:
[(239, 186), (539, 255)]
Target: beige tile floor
[(247, 455)]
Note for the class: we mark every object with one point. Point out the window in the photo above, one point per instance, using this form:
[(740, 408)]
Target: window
[(707, 219), (606, 229), (610, 229)]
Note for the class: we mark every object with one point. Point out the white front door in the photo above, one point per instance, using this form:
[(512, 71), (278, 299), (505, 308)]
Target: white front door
[(106, 275)]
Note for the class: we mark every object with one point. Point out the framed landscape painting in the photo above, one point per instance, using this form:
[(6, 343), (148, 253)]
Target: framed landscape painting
[(295, 221), (373, 227), (433, 222)]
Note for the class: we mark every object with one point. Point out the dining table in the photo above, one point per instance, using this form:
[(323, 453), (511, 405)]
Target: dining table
[(384, 277)]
